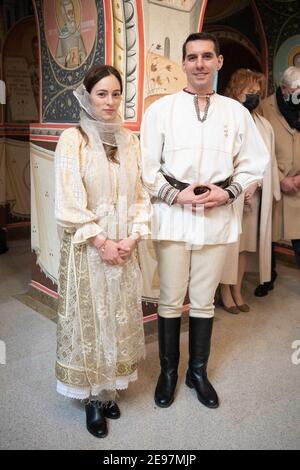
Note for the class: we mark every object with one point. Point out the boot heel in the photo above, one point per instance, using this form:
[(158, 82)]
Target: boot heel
[(188, 382)]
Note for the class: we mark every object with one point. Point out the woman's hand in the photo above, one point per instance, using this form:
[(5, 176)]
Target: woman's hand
[(98, 241), (110, 253), (126, 247)]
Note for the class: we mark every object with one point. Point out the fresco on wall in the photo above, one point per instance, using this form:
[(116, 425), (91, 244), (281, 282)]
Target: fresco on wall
[(183, 5), (128, 56), (20, 72), (281, 23), (70, 30), (288, 54), (72, 36), (164, 74), (217, 10)]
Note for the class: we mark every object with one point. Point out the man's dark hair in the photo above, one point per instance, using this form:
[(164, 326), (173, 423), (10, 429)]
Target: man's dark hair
[(201, 37)]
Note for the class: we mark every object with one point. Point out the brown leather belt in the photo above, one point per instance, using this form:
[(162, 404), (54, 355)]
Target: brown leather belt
[(180, 185)]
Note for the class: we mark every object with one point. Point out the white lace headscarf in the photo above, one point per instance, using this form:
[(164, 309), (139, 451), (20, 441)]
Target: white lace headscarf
[(90, 121)]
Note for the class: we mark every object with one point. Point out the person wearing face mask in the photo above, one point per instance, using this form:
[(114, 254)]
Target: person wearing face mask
[(196, 158), (282, 109), (254, 248), (102, 210)]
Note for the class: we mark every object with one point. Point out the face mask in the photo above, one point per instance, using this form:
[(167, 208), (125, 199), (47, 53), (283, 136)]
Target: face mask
[(293, 100), (252, 101)]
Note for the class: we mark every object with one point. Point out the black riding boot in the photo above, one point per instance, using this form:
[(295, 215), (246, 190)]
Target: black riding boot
[(95, 419), (200, 330), (169, 339)]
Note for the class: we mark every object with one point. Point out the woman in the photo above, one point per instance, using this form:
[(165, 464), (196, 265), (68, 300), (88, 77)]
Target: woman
[(253, 251), (103, 211)]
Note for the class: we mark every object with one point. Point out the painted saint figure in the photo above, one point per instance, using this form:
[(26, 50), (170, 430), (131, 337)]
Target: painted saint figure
[(71, 50)]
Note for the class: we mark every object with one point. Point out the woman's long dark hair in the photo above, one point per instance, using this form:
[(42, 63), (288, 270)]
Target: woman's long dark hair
[(97, 72), (94, 75)]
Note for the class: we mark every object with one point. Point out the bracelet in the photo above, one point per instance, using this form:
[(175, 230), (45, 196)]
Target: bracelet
[(103, 246)]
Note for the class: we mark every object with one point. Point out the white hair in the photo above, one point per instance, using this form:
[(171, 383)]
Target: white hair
[(291, 77)]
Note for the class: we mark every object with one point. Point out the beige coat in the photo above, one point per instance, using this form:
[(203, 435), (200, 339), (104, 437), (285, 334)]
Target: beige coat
[(259, 261), (286, 217)]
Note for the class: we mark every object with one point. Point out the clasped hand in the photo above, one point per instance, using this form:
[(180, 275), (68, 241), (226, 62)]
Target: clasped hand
[(115, 253), (215, 197), (290, 184)]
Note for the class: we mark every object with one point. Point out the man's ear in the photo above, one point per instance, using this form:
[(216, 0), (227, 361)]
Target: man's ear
[(220, 62)]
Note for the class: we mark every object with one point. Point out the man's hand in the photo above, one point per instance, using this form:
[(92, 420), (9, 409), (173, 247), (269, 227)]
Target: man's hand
[(289, 184), (213, 198), (187, 196)]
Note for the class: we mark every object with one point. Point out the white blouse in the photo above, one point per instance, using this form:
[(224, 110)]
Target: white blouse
[(225, 145)]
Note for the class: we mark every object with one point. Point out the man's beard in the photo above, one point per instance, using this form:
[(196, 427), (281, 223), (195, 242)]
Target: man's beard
[(71, 26)]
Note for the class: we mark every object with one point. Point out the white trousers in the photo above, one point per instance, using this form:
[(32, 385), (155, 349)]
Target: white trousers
[(198, 271)]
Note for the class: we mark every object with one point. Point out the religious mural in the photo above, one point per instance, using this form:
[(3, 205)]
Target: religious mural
[(183, 5), (164, 74), (281, 20), (70, 31), (20, 72), (72, 35), (287, 55)]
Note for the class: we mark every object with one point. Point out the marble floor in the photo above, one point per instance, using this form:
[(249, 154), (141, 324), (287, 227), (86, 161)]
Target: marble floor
[(253, 366)]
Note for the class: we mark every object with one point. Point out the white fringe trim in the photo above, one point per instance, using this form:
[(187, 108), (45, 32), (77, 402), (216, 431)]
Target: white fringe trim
[(37, 252), (83, 393)]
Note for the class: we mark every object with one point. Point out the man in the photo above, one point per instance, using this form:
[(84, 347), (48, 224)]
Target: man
[(282, 109), (190, 139), (70, 50)]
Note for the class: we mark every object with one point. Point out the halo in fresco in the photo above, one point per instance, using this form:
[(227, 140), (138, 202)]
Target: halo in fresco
[(288, 54), (70, 29), (294, 56)]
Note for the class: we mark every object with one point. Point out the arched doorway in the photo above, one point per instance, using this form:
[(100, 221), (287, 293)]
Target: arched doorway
[(237, 25), (19, 71)]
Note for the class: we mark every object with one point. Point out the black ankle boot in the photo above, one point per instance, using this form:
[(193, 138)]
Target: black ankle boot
[(168, 337), (95, 419), (263, 289), (200, 330), (3, 244), (111, 410)]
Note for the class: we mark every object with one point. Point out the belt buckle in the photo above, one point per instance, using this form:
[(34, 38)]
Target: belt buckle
[(201, 190)]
